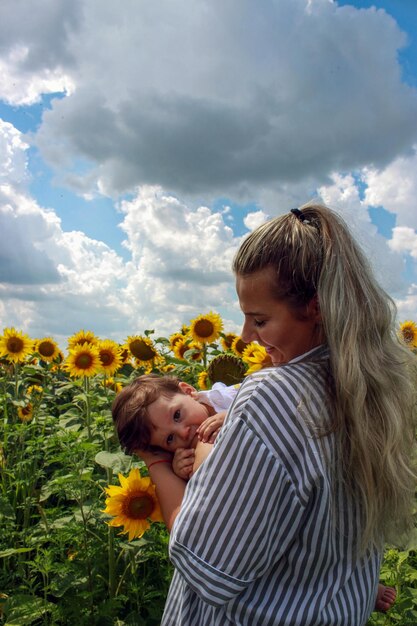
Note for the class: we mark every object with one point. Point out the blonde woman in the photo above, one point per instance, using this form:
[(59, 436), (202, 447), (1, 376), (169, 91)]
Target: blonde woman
[(284, 523)]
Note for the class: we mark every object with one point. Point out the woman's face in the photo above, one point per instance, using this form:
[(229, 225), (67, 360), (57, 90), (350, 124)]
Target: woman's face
[(272, 323)]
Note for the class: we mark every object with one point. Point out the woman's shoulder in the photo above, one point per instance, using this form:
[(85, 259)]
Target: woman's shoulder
[(309, 370)]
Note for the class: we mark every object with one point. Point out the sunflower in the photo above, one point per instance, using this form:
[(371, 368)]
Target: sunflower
[(110, 357), (142, 348), (408, 333), (197, 348), (226, 368), (47, 349), (25, 413), (256, 357), (203, 380), (110, 383), (125, 354), (180, 348), (133, 504), (238, 346), (226, 340), (35, 389), (206, 328), (174, 338), (167, 368), (83, 360), (82, 337), (15, 346)]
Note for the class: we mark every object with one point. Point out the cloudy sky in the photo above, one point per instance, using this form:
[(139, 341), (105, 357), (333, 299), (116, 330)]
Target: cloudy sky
[(140, 141)]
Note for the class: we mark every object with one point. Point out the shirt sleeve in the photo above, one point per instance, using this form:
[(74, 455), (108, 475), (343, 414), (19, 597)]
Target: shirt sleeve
[(220, 396), (239, 515)]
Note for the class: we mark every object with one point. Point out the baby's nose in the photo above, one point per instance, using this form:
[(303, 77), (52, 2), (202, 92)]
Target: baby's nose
[(184, 432)]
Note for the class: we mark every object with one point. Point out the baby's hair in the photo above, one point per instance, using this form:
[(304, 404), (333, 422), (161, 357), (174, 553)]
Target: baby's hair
[(130, 409), (372, 396)]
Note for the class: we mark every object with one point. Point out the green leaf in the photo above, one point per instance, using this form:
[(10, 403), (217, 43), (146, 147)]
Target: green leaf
[(119, 462), (11, 551), (6, 509), (24, 609)]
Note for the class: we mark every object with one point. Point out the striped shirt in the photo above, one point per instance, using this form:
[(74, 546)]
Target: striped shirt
[(264, 536)]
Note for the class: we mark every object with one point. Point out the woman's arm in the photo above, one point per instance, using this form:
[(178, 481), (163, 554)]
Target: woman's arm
[(169, 487)]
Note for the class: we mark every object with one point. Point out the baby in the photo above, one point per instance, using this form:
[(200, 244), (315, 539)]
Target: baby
[(166, 413)]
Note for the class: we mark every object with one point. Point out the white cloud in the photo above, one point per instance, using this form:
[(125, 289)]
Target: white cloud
[(203, 98), (181, 259), (404, 239), (24, 88), (407, 306), (13, 160), (255, 219), (343, 196), (56, 282), (395, 188)]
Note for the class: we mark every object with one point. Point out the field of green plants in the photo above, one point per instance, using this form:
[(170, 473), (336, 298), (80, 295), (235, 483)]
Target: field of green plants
[(80, 540)]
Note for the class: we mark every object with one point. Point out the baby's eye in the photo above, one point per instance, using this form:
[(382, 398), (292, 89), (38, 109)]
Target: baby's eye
[(170, 439), (177, 416), (259, 323)]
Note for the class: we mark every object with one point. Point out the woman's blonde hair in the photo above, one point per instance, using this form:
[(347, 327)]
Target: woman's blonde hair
[(372, 382)]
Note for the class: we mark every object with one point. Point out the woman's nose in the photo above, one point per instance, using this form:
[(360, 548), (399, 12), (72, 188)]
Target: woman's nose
[(247, 333)]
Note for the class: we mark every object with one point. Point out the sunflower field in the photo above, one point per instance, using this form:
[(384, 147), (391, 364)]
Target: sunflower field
[(81, 536)]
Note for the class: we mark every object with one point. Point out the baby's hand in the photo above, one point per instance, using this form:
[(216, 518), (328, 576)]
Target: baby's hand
[(209, 429), (183, 462)]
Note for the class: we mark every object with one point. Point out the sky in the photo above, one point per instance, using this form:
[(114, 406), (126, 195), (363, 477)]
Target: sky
[(141, 141)]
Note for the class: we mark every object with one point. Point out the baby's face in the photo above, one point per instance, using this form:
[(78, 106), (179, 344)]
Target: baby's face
[(174, 421)]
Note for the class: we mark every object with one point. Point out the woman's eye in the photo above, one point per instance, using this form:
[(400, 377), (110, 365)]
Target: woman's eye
[(170, 439), (259, 323), (177, 416)]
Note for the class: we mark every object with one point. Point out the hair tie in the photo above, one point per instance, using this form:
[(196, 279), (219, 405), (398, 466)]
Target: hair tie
[(298, 214)]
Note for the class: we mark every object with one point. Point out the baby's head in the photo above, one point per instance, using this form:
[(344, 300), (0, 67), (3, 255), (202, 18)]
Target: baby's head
[(157, 412)]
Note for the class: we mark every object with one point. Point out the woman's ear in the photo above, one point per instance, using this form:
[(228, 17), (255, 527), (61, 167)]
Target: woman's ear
[(189, 390), (313, 309)]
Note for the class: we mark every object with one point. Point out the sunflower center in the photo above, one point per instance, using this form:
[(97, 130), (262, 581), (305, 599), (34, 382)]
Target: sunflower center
[(26, 410), (408, 335), (83, 361), (139, 507), (141, 350), (46, 348), (15, 344), (228, 340), (240, 346), (106, 358), (203, 328)]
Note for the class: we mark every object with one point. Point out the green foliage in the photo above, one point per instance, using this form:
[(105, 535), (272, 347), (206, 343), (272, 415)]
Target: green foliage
[(60, 563)]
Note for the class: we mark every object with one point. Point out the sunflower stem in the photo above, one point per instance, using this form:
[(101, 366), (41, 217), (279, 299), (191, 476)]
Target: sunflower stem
[(87, 406), (205, 355)]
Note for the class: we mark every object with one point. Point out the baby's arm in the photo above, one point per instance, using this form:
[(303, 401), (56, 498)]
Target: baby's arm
[(202, 450), (209, 429)]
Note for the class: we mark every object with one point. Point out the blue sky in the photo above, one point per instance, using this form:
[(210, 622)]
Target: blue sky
[(140, 142)]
